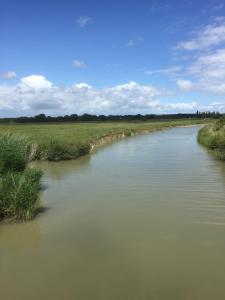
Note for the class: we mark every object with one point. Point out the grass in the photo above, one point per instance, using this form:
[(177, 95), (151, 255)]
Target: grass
[(19, 194), (212, 136), (67, 141), (14, 153), (19, 184)]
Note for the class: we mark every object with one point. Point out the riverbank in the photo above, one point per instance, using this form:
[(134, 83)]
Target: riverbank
[(212, 136), (56, 142)]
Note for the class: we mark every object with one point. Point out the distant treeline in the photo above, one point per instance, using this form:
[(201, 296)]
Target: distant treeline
[(42, 118)]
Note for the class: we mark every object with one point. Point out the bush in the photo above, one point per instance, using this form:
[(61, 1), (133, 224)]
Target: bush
[(14, 153)]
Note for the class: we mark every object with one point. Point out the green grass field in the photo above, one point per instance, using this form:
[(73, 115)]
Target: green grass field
[(71, 140), (212, 136)]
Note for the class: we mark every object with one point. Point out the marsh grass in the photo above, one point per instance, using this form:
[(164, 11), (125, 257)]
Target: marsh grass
[(212, 136), (19, 184), (19, 194), (14, 153), (56, 150)]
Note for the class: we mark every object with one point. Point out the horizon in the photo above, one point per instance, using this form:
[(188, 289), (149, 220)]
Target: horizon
[(99, 57)]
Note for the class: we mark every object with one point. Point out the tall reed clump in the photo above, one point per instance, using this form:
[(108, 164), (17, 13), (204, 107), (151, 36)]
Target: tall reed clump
[(19, 184), (213, 137)]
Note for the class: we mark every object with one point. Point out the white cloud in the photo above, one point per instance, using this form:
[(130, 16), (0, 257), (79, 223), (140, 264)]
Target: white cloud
[(34, 82), (184, 85), (79, 64), (205, 38), (206, 65), (82, 86), (8, 75), (213, 106), (83, 21), (210, 65), (35, 94), (172, 71), (208, 72), (182, 106)]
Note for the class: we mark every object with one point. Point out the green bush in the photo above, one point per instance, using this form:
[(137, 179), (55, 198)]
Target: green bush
[(14, 153)]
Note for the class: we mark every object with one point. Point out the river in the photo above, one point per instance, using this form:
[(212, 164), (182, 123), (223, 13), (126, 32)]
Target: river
[(142, 218)]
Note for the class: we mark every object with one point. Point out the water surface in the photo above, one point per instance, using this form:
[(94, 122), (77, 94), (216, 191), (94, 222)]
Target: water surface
[(143, 218)]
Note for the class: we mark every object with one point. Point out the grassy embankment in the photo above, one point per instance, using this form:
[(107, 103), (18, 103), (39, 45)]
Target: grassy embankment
[(212, 136), (67, 141), (19, 184)]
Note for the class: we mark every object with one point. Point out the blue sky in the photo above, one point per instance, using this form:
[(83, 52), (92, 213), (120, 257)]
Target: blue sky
[(146, 56)]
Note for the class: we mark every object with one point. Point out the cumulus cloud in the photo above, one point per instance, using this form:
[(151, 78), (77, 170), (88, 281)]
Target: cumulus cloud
[(8, 75), (83, 21), (79, 64), (34, 82), (35, 94)]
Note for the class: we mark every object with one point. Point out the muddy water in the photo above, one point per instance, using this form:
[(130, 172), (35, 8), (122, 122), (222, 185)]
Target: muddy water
[(143, 218)]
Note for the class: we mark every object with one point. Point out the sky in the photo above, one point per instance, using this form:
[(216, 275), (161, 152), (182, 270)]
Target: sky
[(111, 57)]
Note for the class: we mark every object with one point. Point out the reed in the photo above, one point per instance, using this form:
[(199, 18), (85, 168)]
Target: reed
[(19, 184)]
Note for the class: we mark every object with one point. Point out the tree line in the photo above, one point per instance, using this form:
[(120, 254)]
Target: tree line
[(42, 118)]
